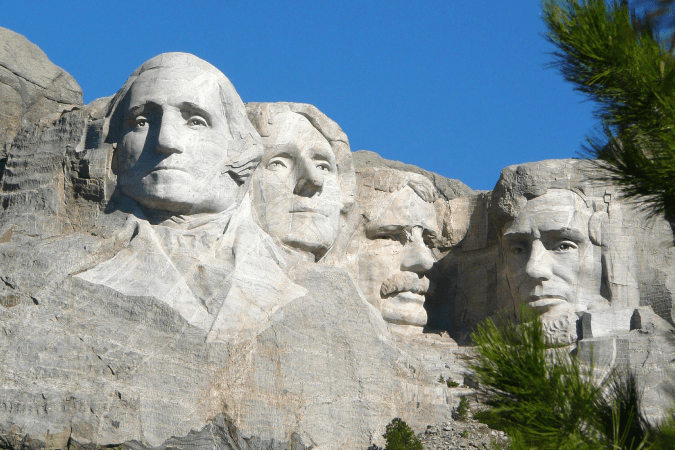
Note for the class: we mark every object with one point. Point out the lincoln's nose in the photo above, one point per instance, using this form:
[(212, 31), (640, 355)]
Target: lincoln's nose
[(538, 266)]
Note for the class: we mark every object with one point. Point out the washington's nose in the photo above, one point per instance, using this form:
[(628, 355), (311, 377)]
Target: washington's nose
[(538, 266), (309, 178), (417, 256), (168, 137)]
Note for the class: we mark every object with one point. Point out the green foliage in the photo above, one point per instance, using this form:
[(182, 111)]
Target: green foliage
[(616, 59), (464, 434), (491, 419), (462, 411), (618, 414), (441, 379), (451, 383), (543, 399), (541, 394), (663, 437), (400, 436)]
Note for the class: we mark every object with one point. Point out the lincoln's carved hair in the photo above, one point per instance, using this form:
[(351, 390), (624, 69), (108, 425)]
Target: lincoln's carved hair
[(262, 116), (246, 150), (386, 181), (520, 183)]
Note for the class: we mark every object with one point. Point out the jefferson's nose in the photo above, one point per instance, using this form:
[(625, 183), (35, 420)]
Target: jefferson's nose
[(169, 139), (538, 266), (309, 178), (417, 256)]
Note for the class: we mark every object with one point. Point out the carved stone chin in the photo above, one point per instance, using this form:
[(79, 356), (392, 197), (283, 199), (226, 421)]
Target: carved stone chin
[(177, 122), (296, 187), (393, 245), (159, 288)]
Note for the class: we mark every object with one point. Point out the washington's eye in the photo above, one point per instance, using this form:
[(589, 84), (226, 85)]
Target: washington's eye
[(383, 236), (325, 167), (197, 121)]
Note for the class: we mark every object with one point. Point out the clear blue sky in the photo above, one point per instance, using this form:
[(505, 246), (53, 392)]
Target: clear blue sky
[(455, 87)]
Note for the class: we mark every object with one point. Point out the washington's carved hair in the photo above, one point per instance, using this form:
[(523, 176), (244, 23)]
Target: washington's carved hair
[(245, 151)]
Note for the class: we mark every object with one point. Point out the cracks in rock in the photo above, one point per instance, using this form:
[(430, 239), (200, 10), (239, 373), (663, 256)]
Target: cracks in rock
[(98, 356), (8, 282)]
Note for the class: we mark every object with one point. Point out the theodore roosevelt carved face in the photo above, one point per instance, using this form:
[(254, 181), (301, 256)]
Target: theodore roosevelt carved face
[(179, 126), (395, 247)]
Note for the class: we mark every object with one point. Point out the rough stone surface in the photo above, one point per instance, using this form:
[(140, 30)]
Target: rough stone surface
[(180, 270), (31, 86), (467, 434), (449, 188)]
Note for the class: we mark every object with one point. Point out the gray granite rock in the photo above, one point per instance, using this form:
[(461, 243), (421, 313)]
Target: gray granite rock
[(85, 365), (31, 86), (143, 304), (449, 188)]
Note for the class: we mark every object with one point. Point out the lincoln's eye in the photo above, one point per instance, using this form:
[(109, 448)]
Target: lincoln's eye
[(141, 122)]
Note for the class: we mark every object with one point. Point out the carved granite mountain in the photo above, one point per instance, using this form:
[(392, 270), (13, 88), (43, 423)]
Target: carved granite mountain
[(31, 86), (190, 282), (449, 188)]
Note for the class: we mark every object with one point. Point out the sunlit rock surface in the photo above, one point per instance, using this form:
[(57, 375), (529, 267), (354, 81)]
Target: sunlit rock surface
[(304, 295)]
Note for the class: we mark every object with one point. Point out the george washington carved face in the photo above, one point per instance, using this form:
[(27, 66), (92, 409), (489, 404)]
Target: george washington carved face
[(179, 127)]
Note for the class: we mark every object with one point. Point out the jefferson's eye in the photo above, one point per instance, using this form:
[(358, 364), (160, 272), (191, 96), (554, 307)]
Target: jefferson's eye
[(274, 165), (565, 246), (197, 121)]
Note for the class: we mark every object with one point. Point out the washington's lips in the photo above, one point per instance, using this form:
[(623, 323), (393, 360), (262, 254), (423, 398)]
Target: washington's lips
[(405, 282)]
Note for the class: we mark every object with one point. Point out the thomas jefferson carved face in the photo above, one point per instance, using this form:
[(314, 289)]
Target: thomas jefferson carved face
[(394, 255), (174, 142), (548, 256), (296, 187)]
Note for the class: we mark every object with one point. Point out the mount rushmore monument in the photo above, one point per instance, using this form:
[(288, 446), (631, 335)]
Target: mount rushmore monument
[(182, 270)]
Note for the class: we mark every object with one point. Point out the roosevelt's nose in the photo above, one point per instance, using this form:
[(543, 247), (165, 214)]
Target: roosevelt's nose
[(309, 178), (417, 256), (169, 138), (538, 266)]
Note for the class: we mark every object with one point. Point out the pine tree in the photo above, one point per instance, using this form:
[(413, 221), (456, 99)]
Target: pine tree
[(618, 59)]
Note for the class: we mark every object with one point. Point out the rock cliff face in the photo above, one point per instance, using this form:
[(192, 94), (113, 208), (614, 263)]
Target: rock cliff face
[(31, 86), (129, 319)]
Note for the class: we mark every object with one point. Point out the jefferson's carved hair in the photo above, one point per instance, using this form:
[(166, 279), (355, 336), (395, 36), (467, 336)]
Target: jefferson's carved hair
[(262, 116), (246, 150)]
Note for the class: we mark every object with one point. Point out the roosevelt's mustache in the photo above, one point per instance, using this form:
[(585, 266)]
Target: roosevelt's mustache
[(405, 281)]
